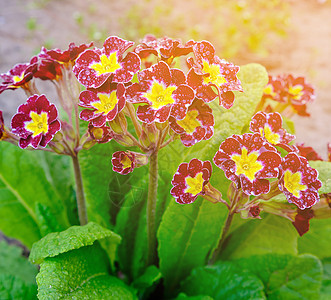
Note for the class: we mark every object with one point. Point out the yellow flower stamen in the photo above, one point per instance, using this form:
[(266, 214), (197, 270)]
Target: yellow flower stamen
[(126, 162), (159, 95), (296, 91), (270, 136), (195, 184), (106, 104), (190, 122), (214, 71), (292, 182), (38, 124), (247, 164), (106, 64)]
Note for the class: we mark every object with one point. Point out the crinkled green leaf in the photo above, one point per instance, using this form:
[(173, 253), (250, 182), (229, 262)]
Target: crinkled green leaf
[(223, 281), (186, 237), (13, 288), (301, 279), (285, 276), (24, 182), (272, 234), (74, 237), (183, 296), (80, 274), (17, 274), (317, 240), (326, 280)]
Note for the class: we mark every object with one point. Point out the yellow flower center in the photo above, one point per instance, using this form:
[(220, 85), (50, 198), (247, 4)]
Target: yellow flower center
[(195, 184), (38, 124), (126, 162), (106, 64), (214, 71), (292, 182), (106, 104), (247, 164), (296, 91), (271, 137), (18, 78), (190, 122), (159, 95), (268, 90)]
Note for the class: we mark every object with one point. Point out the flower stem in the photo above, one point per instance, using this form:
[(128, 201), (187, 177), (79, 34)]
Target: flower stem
[(151, 207), (223, 237), (81, 204)]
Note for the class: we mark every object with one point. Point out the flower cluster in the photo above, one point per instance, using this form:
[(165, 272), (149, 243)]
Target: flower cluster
[(253, 162), (287, 93)]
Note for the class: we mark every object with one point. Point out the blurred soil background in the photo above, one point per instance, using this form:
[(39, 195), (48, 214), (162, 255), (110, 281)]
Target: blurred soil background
[(284, 36)]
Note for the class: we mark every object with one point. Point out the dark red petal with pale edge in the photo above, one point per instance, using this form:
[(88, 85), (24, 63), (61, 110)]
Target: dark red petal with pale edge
[(204, 51), (114, 43), (130, 65)]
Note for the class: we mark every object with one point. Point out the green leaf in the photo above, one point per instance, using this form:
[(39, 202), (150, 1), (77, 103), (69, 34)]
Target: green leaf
[(97, 172), (326, 282), (187, 235), (131, 225), (24, 182), (146, 283), (285, 276), (272, 234), (12, 288), (301, 279), (317, 240), (74, 237), (17, 274), (151, 275), (324, 174), (183, 296), (80, 274), (223, 281)]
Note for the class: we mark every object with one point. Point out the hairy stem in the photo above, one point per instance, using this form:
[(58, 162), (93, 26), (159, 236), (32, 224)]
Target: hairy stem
[(81, 204), (151, 207)]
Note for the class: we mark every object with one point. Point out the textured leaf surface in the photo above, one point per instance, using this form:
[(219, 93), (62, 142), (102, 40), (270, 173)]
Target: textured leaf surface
[(17, 274), (317, 240), (183, 296), (80, 274), (24, 182), (272, 234), (326, 281), (74, 237), (301, 279), (187, 235), (223, 281), (286, 276)]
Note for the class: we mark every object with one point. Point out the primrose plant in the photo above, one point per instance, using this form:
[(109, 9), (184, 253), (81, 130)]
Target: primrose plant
[(202, 126)]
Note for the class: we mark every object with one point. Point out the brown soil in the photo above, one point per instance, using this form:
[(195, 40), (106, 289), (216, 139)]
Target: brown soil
[(306, 52)]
